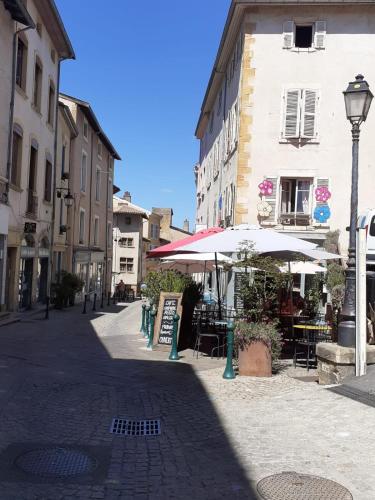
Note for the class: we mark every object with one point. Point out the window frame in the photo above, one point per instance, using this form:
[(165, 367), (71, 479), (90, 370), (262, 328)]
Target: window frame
[(48, 173), (125, 263), (98, 179), (81, 228), (96, 230), (51, 104), (37, 85), (21, 78), (83, 185), (15, 175), (301, 115)]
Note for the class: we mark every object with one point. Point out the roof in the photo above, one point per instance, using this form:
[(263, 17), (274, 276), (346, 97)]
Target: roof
[(180, 230), (68, 117), (116, 189), (55, 27), (90, 115), (128, 210), (19, 12), (228, 40)]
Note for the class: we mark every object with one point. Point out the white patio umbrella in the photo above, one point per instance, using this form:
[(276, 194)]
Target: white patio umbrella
[(303, 268), (262, 240)]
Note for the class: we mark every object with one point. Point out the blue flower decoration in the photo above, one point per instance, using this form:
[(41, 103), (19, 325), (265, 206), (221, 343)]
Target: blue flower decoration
[(322, 213)]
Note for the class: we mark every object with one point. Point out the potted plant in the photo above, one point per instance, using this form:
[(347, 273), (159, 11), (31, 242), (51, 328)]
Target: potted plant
[(66, 289), (258, 345), (256, 335)]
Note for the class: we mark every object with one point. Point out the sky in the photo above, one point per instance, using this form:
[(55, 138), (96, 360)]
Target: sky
[(144, 67)]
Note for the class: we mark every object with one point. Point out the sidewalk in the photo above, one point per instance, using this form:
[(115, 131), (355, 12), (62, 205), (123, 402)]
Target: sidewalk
[(62, 381)]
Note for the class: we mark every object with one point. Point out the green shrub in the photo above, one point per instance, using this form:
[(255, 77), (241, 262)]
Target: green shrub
[(173, 282)]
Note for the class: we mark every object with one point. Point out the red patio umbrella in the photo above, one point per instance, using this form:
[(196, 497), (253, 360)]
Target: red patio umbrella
[(173, 248)]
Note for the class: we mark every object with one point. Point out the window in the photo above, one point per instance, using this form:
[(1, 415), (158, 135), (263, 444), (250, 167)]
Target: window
[(83, 172), (51, 104), (110, 193), (300, 114), (81, 226), (33, 167), (96, 231), (304, 35), (63, 152), (126, 265), (372, 227), (128, 221), (295, 201), (85, 129), (37, 95), (109, 235), (48, 182), (21, 65), (100, 148), (15, 177), (154, 231), (97, 184), (126, 242)]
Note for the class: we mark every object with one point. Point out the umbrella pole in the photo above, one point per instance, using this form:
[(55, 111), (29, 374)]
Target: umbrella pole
[(291, 300), (218, 286), (204, 277)]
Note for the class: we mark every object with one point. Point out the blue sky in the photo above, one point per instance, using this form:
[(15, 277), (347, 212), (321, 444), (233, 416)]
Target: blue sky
[(144, 67)]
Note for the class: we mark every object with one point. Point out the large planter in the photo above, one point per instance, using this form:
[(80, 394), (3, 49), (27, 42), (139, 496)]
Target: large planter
[(255, 360)]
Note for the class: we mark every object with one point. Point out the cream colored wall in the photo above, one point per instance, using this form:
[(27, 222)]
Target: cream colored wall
[(267, 69)]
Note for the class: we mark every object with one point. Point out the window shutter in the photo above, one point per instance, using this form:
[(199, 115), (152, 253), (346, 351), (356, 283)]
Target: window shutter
[(234, 126), (288, 34), (320, 182), (309, 113), (292, 100), (271, 199), (320, 34)]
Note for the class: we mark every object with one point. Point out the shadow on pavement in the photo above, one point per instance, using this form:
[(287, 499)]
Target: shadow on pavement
[(64, 385)]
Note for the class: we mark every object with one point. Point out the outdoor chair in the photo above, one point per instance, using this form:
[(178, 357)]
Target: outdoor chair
[(204, 330), (305, 346)]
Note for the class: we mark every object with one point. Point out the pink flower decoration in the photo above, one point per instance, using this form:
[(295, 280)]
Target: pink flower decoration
[(322, 194), (266, 188)]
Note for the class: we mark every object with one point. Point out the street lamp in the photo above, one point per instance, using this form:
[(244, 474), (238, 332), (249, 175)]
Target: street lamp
[(68, 198), (358, 97)]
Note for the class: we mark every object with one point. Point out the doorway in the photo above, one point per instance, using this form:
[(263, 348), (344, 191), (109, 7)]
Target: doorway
[(26, 282), (42, 279)]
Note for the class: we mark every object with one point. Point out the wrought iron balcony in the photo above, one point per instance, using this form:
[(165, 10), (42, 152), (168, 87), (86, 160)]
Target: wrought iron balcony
[(295, 219)]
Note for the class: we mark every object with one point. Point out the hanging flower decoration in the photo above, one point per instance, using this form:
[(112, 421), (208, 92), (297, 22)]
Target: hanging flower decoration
[(322, 194), (322, 213), (266, 188), (264, 209)]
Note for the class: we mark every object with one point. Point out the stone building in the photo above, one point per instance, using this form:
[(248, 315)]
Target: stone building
[(39, 53), (90, 218), (128, 227), (13, 17), (275, 145)]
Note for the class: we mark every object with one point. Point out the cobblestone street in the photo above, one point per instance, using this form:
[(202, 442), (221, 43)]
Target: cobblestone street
[(64, 380)]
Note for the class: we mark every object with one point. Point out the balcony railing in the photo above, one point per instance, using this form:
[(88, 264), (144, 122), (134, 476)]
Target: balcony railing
[(295, 219), (32, 204)]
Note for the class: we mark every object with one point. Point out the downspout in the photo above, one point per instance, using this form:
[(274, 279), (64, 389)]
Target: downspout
[(54, 173), (11, 112), (106, 232), (90, 211)]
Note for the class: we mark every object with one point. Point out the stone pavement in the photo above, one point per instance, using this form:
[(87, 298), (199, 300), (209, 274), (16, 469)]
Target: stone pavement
[(63, 380)]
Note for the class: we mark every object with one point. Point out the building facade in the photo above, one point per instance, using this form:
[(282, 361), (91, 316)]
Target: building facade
[(13, 16), (90, 218), (275, 145), (128, 227), (39, 53)]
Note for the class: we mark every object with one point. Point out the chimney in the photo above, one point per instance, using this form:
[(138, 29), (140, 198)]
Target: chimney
[(127, 196), (186, 225)]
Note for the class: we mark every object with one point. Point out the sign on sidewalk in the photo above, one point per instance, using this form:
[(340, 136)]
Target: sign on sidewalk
[(169, 305)]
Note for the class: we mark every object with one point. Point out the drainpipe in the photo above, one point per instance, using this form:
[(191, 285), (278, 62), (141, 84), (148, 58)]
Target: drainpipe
[(11, 111), (54, 174), (106, 231)]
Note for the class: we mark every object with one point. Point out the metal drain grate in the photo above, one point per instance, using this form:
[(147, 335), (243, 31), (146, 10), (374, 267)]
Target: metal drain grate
[(294, 486), (126, 427), (56, 462)]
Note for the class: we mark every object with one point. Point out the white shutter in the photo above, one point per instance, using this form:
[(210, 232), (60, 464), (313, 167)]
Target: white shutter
[(320, 34), (309, 114), (292, 99), (288, 34), (234, 126), (271, 199), (319, 182)]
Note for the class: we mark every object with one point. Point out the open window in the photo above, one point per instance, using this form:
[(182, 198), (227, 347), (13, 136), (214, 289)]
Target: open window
[(295, 201)]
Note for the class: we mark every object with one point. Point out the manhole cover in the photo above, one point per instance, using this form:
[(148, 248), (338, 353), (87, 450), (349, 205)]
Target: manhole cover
[(126, 427), (294, 486), (56, 462)]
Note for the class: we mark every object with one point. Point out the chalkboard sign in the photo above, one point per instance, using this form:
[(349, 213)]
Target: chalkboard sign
[(169, 305)]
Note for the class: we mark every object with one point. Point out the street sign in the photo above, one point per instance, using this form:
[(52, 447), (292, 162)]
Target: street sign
[(30, 228)]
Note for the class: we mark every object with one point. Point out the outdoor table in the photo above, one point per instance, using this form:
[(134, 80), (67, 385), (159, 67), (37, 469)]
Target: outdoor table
[(312, 326)]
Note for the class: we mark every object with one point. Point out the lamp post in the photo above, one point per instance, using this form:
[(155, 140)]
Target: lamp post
[(358, 99)]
